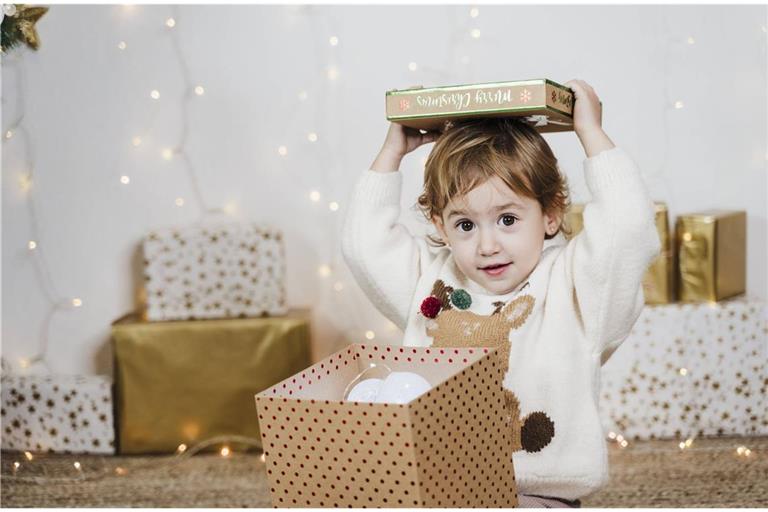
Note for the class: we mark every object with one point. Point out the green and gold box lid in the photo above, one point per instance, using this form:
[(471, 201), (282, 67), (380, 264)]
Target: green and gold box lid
[(546, 105)]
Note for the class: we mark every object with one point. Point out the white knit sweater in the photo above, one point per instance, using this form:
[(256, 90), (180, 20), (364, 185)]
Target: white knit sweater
[(586, 294)]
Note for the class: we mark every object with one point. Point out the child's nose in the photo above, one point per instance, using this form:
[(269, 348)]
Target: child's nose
[(488, 243)]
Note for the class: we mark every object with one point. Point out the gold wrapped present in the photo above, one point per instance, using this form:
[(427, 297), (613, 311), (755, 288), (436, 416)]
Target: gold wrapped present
[(542, 103), (711, 250), (658, 281), (188, 381)]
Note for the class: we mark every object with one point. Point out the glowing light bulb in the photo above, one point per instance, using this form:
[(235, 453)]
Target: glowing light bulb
[(77, 302), (619, 438), (474, 12), (683, 371), (25, 182), (303, 95), (475, 33), (679, 104), (24, 363), (691, 40), (167, 154), (612, 435), (199, 90), (370, 335), (687, 237), (314, 196), (230, 208), (16, 466), (688, 442), (121, 45), (263, 457), (312, 137), (136, 141), (77, 466), (125, 180), (154, 94), (338, 286), (170, 23), (182, 448), (682, 446), (282, 150), (624, 444), (333, 206), (324, 270), (747, 452), (9, 134), (179, 201), (413, 66), (225, 451), (120, 471), (28, 455), (333, 40), (333, 73), (31, 245)]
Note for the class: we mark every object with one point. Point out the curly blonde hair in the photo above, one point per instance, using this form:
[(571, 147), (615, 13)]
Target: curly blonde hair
[(469, 153)]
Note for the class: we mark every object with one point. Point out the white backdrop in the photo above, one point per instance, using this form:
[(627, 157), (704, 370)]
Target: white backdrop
[(271, 76)]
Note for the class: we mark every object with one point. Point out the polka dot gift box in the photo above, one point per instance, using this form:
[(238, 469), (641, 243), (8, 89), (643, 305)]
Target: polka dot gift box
[(448, 447), (229, 271), (66, 414)]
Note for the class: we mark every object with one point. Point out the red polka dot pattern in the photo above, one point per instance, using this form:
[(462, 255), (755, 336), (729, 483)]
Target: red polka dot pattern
[(447, 448)]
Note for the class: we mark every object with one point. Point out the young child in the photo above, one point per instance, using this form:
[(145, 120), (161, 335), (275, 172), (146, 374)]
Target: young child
[(504, 275)]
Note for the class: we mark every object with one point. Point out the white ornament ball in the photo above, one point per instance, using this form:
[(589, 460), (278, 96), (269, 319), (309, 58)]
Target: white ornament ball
[(365, 391), (401, 388)]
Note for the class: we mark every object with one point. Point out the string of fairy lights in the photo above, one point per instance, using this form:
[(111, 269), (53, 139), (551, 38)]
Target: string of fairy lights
[(468, 29), (33, 468)]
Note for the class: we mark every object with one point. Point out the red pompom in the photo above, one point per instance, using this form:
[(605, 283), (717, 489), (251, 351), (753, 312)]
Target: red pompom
[(430, 307)]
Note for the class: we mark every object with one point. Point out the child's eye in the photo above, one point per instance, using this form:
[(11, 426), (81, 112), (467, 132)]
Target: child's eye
[(465, 225), (508, 220)]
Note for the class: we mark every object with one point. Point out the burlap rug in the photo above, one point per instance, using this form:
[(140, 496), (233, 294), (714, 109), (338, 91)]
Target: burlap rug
[(645, 474)]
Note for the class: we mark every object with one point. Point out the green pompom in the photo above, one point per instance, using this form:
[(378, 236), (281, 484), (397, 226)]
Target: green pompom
[(461, 299)]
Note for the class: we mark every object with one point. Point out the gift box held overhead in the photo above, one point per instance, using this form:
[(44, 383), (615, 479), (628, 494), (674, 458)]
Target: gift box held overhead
[(449, 447), (544, 104)]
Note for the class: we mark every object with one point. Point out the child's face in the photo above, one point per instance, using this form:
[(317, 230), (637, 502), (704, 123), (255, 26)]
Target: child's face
[(496, 236)]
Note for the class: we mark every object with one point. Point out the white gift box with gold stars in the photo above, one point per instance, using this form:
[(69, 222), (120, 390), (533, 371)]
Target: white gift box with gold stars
[(57, 413), (689, 370), (228, 271)]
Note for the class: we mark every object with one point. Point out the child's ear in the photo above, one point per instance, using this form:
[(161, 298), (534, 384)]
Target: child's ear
[(438, 222), (552, 222)]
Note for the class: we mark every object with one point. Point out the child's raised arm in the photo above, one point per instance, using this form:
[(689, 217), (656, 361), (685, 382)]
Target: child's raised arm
[(607, 260), (382, 254)]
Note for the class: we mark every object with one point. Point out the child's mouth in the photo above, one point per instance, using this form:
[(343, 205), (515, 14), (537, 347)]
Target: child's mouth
[(495, 270)]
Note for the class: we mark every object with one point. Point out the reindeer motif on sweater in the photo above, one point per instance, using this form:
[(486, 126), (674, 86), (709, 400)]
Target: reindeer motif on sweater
[(453, 325)]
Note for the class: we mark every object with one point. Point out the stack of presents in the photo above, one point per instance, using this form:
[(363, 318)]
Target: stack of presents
[(215, 333), (695, 362)]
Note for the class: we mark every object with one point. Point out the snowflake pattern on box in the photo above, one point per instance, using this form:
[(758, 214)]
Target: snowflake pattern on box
[(214, 272), (690, 370), (65, 414)]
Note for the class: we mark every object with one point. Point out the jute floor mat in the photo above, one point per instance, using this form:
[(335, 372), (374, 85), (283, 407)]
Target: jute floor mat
[(711, 473)]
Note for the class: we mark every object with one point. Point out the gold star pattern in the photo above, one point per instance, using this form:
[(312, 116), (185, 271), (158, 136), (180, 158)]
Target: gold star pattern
[(20, 28)]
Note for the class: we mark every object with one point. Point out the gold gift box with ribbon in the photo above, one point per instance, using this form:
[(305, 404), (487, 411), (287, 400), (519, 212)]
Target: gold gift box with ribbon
[(183, 382), (658, 281), (711, 250), (542, 103)]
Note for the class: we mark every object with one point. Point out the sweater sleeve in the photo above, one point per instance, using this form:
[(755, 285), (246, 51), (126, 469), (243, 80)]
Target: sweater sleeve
[(608, 258), (384, 257)]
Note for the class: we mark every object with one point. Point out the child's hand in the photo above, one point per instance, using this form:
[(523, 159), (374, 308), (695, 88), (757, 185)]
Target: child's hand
[(399, 142), (588, 118)]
